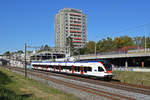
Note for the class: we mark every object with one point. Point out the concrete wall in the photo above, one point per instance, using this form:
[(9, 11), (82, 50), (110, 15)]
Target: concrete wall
[(133, 69)]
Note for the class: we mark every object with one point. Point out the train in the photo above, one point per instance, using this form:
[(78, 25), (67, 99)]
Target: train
[(99, 69)]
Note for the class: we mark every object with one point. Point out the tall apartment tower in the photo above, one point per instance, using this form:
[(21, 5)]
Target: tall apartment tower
[(70, 23)]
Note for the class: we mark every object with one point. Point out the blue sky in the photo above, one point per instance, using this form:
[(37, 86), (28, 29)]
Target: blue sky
[(32, 21)]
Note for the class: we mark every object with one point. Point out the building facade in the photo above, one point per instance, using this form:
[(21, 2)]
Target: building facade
[(70, 23)]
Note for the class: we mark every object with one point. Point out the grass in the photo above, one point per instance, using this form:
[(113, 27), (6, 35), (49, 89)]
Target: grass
[(138, 78), (16, 87)]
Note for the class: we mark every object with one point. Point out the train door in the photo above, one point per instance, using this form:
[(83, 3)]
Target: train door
[(46, 67), (81, 70), (54, 68), (59, 68), (72, 69)]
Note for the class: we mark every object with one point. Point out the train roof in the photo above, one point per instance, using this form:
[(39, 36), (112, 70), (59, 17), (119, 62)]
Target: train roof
[(103, 61)]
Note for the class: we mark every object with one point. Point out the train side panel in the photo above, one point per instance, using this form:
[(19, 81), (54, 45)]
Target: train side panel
[(88, 69)]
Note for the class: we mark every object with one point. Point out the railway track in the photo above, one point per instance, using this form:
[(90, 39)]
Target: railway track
[(118, 85), (89, 89)]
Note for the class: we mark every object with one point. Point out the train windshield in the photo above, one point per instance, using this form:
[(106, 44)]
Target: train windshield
[(107, 65)]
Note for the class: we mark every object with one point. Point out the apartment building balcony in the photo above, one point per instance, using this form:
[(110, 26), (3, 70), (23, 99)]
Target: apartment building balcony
[(75, 24), (72, 31), (77, 38), (76, 41), (74, 14), (78, 35)]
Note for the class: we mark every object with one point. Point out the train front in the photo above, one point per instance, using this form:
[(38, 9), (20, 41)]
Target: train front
[(108, 70)]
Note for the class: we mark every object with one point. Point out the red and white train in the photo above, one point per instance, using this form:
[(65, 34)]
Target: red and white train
[(99, 69)]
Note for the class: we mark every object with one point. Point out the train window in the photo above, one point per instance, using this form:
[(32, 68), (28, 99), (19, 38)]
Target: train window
[(66, 67), (69, 68), (62, 67), (89, 69), (39, 65), (57, 67), (100, 69), (85, 69), (78, 69), (51, 66), (48, 66), (107, 65), (45, 66), (75, 69)]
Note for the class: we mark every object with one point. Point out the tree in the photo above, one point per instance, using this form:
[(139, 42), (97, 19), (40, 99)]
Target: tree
[(118, 43), (7, 53), (82, 51), (89, 47), (127, 41), (28, 52), (70, 45), (148, 42), (105, 45), (20, 51), (45, 48), (108, 44)]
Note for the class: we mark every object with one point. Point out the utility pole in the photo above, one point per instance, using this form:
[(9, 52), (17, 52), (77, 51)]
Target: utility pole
[(25, 54), (25, 60)]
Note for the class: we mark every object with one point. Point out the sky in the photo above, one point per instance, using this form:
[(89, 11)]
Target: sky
[(32, 21)]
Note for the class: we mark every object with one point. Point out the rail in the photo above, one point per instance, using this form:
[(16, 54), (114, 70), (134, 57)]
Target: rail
[(84, 88)]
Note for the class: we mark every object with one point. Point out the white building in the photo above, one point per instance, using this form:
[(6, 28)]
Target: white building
[(70, 23)]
